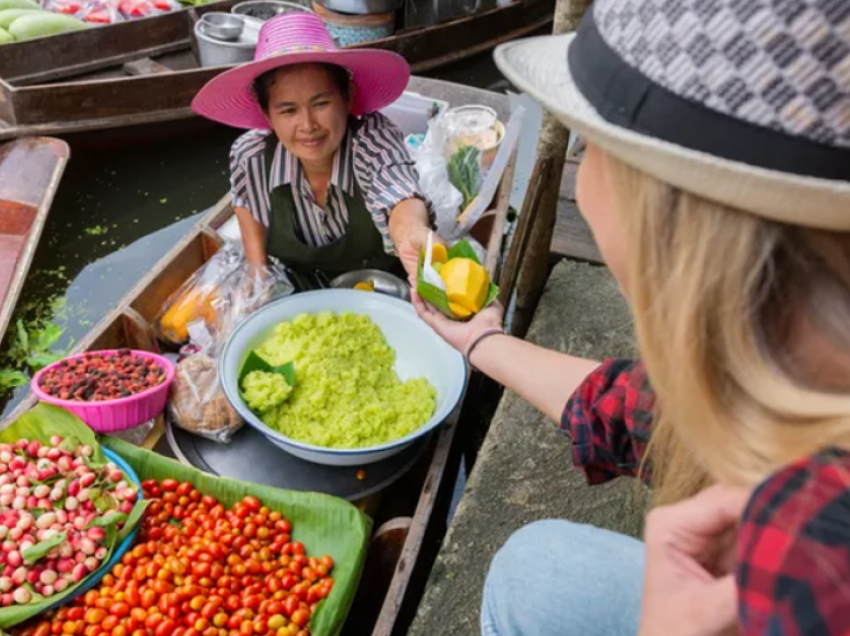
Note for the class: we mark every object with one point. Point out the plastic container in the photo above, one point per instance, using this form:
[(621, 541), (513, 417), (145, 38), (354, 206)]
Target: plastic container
[(477, 126), (114, 415), (94, 578), (411, 112)]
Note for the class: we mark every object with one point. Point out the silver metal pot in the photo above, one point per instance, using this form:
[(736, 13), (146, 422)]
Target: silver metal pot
[(361, 7), (217, 52)]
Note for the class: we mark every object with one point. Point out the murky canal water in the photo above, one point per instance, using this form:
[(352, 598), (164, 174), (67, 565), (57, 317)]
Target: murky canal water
[(122, 205)]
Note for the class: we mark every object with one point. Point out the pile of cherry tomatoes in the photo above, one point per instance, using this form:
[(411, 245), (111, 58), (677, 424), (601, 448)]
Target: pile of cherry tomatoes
[(200, 569)]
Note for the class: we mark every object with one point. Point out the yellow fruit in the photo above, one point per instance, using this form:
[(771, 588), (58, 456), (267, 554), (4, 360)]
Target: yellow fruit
[(467, 284), (459, 311), (439, 254), (190, 307), (365, 285)]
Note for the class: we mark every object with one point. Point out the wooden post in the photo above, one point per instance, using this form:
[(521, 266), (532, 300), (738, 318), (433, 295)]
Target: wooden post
[(536, 224)]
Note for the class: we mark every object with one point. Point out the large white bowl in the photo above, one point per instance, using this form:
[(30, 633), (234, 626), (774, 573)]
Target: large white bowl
[(419, 353)]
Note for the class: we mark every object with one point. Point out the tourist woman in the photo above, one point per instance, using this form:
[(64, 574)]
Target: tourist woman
[(716, 182), (321, 181)]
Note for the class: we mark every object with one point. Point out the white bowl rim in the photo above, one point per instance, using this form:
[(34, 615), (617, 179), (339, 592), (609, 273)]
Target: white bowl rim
[(251, 419)]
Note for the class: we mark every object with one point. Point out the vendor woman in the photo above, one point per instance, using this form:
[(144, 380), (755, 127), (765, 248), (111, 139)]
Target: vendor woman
[(321, 181)]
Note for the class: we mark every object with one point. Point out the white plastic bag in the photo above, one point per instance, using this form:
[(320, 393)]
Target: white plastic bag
[(433, 176)]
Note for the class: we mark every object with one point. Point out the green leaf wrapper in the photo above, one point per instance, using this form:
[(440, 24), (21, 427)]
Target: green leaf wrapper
[(325, 524), (436, 296), (255, 363)]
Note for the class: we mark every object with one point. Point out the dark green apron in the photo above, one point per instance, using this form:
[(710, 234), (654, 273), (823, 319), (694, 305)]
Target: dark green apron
[(362, 246)]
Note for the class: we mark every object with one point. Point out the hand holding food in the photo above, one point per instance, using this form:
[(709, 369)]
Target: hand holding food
[(454, 280), (460, 335)]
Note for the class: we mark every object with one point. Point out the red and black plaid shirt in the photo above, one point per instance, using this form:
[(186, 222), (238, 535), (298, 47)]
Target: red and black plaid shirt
[(793, 568)]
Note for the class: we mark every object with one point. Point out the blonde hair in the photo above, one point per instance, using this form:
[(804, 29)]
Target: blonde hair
[(719, 297)]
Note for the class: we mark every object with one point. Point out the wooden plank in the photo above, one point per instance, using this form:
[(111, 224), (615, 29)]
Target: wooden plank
[(503, 204), (430, 63), (572, 237), (108, 99), (145, 66), (416, 536), (35, 61)]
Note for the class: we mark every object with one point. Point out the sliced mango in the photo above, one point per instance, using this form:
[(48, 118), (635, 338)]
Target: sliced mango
[(467, 285), (459, 310), (439, 254), (365, 285)]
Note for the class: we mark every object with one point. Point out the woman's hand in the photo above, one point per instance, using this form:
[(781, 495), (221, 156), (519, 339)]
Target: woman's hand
[(689, 587), (460, 335), (408, 254)]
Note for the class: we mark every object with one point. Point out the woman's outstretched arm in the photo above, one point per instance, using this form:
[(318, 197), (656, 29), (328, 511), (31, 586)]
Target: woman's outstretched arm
[(546, 379)]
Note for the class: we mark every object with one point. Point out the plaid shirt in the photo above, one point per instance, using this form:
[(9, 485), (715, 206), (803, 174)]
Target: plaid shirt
[(793, 568)]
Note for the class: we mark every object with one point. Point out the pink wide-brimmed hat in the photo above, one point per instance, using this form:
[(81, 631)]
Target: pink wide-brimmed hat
[(378, 78)]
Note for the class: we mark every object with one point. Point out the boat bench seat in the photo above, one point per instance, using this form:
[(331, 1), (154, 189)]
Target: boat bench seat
[(524, 470)]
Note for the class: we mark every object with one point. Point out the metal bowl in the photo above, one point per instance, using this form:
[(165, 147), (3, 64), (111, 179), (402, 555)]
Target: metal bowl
[(223, 26), (268, 9), (361, 7), (384, 282), (420, 353)]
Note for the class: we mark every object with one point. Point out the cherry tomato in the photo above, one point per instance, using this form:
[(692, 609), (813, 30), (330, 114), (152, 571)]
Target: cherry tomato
[(300, 617), (169, 485)]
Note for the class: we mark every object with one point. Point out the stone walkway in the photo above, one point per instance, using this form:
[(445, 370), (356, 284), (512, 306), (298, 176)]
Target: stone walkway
[(524, 471)]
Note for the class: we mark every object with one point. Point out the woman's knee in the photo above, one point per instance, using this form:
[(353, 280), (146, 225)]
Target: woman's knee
[(554, 573)]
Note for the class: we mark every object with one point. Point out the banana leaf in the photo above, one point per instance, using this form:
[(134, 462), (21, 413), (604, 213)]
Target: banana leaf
[(41, 422), (324, 524), (436, 296)]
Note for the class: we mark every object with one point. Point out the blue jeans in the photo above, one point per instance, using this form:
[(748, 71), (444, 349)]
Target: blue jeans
[(557, 578)]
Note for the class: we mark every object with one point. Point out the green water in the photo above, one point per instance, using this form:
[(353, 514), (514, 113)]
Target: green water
[(124, 202)]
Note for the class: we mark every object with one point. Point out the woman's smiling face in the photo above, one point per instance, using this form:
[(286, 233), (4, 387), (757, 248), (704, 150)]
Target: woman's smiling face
[(308, 108)]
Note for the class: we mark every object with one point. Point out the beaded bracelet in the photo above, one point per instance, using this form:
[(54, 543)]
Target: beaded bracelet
[(482, 336)]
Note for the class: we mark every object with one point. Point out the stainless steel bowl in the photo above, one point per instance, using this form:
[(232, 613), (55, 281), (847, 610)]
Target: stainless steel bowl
[(385, 283), (223, 26), (267, 9)]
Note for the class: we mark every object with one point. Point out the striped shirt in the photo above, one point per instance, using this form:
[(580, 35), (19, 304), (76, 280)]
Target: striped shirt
[(373, 153)]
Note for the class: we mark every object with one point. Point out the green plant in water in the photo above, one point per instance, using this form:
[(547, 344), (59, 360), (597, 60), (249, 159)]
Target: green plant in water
[(31, 349)]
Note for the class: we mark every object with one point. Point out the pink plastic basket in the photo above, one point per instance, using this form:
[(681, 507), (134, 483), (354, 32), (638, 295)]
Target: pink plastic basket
[(114, 415)]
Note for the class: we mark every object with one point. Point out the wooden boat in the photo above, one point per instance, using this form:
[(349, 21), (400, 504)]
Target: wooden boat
[(414, 509), (147, 70), (30, 170)]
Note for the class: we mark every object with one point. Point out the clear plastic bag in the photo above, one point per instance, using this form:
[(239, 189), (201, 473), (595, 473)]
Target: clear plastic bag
[(132, 9), (430, 160), (225, 291), (100, 12), (66, 7)]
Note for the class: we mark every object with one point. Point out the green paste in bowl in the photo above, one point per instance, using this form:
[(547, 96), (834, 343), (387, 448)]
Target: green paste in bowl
[(346, 393)]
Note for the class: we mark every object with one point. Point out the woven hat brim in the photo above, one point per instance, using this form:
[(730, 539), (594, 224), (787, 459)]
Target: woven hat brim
[(378, 78), (539, 67)]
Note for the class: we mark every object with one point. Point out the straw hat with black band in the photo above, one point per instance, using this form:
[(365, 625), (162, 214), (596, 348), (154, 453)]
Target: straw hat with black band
[(744, 102)]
